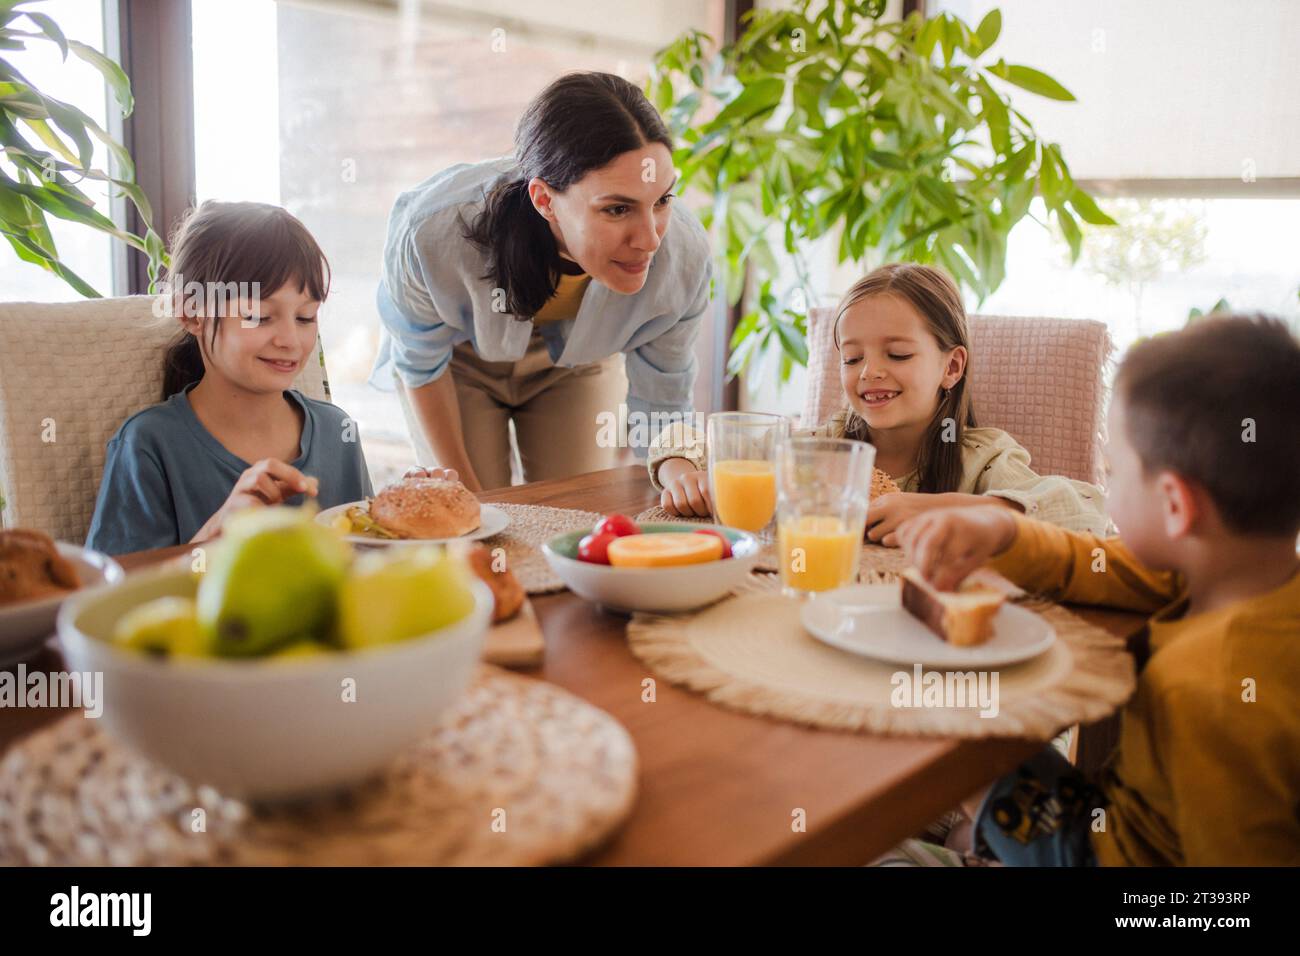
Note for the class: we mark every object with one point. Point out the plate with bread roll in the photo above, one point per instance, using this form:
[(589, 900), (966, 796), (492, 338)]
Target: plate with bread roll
[(416, 510), (911, 622), (36, 574)]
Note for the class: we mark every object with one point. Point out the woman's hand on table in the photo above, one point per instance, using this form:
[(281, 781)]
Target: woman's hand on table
[(888, 512), (686, 489), (947, 544), (447, 474), (269, 482)]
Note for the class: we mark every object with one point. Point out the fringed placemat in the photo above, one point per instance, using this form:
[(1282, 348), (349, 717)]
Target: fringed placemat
[(877, 564), (751, 653), (531, 526), (518, 773)]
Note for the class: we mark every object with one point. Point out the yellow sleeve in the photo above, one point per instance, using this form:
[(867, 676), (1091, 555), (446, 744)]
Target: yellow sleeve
[(1076, 505), (1084, 568), (678, 440), (1227, 768)]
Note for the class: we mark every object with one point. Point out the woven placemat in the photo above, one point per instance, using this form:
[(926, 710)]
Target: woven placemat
[(751, 653), (518, 773), (531, 526), (877, 564)]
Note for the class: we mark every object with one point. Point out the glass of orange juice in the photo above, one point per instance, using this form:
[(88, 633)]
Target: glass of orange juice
[(742, 469), (823, 485)]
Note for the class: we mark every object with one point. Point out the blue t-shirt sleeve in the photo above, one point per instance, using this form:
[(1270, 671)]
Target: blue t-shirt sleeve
[(134, 510)]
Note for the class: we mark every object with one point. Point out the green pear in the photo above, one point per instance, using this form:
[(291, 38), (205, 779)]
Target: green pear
[(398, 595), (273, 579), (163, 627)]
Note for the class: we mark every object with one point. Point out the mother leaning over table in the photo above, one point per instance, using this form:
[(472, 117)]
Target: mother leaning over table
[(511, 286)]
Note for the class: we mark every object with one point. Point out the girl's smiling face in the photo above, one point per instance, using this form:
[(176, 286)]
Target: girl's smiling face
[(612, 221), (261, 344), (892, 368)]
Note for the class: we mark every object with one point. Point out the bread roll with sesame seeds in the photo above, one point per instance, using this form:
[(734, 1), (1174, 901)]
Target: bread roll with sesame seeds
[(426, 508)]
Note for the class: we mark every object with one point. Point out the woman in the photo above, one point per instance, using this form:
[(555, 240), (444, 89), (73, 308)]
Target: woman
[(512, 286)]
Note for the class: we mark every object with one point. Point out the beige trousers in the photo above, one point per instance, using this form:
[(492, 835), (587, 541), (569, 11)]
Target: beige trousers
[(529, 418)]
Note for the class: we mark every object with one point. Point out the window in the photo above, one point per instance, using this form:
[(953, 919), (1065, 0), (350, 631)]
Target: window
[(85, 251), (1186, 129)]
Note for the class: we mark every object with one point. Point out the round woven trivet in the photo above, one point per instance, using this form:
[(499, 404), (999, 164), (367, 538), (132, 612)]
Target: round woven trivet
[(518, 773), (878, 564), (751, 653), (531, 526)]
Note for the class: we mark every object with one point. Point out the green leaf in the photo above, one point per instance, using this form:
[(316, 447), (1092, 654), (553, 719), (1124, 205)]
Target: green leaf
[(47, 136), (111, 72), (759, 97), (51, 29), (996, 117), (949, 36), (929, 37), (1027, 78), (990, 29), (1071, 230), (832, 87), (74, 123), (1049, 180), (1088, 209), (54, 265), (941, 195), (889, 160), (792, 341)]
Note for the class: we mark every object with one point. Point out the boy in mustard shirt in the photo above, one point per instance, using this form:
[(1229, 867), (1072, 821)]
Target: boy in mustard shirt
[(1204, 464)]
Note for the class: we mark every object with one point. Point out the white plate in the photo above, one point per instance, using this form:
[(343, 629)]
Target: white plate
[(25, 626), (869, 619), (491, 521)]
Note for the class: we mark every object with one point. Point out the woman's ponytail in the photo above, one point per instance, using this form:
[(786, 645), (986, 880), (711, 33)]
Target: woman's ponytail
[(522, 254)]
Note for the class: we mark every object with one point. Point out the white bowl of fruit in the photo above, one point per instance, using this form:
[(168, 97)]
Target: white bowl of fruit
[(659, 566), (287, 668)]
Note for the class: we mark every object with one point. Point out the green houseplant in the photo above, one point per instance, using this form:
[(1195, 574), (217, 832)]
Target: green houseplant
[(48, 151), (898, 134)]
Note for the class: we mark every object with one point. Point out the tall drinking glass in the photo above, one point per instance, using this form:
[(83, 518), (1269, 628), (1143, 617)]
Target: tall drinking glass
[(823, 486), (742, 470)]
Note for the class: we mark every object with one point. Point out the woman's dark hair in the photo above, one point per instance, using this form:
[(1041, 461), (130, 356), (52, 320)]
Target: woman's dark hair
[(581, 122), (935, 296), (221, 246)]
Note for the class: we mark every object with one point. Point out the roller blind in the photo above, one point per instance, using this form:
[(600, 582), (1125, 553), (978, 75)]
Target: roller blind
[(1166, 89)]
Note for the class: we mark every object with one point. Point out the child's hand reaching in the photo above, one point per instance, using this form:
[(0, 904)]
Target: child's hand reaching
[(886, 513), (947, 544), (269, 482), (685, 493)]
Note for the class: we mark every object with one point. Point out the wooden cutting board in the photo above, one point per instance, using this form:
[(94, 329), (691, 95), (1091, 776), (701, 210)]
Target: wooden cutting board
[(517, 642)]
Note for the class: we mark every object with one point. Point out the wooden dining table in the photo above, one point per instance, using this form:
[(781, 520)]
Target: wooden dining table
[(718, 787)]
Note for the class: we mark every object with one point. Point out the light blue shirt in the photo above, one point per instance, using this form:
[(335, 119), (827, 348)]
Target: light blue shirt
[(166, 475), (433, 296)]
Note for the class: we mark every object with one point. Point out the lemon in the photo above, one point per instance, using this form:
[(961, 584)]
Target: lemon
[(163, 627)]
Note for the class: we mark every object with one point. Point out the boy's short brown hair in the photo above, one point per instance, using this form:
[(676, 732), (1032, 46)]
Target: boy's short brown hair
[(1219, 403)]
